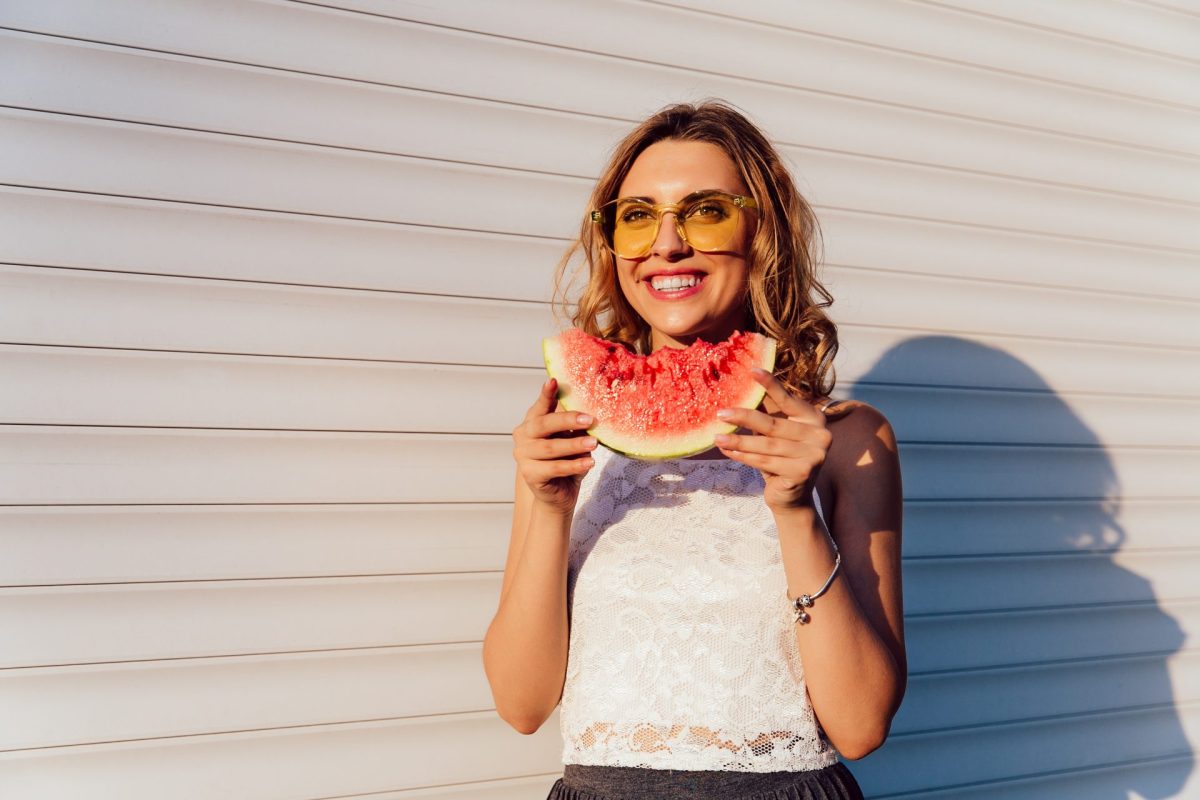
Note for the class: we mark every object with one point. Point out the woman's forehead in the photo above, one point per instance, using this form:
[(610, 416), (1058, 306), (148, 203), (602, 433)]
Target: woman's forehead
[(669, 170)]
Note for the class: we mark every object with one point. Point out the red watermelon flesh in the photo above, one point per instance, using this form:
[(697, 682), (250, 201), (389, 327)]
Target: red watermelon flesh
[(662, 405)]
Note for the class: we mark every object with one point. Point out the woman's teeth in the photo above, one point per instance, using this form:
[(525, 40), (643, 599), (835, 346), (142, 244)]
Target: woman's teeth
[(671, 283)]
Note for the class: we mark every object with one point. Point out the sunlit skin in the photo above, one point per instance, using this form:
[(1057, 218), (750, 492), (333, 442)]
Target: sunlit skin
[(853, 651), (666, 172)]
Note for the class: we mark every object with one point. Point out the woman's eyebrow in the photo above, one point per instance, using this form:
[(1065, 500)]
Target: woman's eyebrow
[(651, 200)]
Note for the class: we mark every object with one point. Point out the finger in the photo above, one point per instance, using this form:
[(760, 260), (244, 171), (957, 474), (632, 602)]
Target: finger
[(547, 449), (765, 424), (547, 425), (542, 471), (770, 465), (547, 396), (768, 445), (788, 403)]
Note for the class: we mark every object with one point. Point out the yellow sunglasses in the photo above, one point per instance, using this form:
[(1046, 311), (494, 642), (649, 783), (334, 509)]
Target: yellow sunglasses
[(706, 220)]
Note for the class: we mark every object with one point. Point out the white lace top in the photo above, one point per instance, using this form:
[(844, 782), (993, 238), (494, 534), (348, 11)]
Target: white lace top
[(682, 652)]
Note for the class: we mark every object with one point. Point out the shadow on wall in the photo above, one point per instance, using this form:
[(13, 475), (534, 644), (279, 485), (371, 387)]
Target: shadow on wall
[(1033, 650)]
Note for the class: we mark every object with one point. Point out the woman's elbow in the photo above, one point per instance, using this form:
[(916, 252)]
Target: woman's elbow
[(862, 744), (526, 724)]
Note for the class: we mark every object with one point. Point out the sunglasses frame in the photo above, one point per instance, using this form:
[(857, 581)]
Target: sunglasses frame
[(739, 201)]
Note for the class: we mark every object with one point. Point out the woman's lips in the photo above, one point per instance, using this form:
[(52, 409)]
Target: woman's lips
[(668, 284)]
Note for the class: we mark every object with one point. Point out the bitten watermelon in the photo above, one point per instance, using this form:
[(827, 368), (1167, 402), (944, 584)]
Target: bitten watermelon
[(662, 405)]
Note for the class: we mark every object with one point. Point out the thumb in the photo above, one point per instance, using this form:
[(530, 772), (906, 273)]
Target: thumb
[(546, 400)]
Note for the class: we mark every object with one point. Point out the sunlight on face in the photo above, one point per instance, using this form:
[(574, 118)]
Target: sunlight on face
[(683, 293)]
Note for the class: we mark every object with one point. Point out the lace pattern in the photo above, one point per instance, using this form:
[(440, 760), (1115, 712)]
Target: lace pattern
[(682, 652)]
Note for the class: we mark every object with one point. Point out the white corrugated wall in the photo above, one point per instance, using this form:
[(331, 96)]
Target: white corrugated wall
[(272, 279)]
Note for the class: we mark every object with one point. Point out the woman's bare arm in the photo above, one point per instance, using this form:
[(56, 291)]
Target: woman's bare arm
[(853, 652), (525, 648)]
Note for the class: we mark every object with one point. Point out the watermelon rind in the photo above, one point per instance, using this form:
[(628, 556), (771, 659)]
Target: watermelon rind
[(657, 448)]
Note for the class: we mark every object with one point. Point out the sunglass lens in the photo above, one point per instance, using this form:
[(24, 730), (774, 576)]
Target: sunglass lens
[(710, 223), (633, 230)]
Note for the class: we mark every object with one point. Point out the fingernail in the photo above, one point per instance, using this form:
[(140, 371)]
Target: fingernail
[(724, 413), (589, 442), (722, 438), (584, 419)]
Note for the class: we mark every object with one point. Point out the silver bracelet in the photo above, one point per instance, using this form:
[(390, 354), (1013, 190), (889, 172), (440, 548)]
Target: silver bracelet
[(805, 601)]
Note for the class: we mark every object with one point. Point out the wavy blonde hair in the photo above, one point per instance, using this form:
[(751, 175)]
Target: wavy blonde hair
[(783, 255)]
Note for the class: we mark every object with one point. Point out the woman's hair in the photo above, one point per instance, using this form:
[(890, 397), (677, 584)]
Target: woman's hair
[(783, 255)]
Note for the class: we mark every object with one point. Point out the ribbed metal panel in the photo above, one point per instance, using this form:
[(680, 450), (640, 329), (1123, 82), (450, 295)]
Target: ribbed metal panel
[(272, 280)]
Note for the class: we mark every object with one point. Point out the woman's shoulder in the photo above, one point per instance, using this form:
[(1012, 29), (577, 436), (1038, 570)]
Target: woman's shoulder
[(858, 429), (862, 412), (862, 464)]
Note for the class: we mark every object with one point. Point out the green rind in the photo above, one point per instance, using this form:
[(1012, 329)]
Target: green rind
[(678, 447)]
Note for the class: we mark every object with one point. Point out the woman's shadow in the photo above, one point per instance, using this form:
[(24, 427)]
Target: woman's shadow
[(1038, 653)]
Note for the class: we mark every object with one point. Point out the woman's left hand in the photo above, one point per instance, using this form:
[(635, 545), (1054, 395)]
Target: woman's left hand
[(788, 447)]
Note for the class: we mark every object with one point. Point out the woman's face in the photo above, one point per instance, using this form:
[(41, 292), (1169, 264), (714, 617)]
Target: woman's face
[(715, 306)]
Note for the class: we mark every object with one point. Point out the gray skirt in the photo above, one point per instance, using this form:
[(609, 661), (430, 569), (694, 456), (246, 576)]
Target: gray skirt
[(590, 782)]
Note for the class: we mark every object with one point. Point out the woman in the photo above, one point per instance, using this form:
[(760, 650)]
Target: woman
[(649, 597)]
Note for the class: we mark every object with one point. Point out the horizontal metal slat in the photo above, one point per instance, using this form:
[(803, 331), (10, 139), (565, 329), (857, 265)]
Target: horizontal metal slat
[(93, 386), (171, 90), (74, 465), (91, 309), (131, 235), (1007, 471), (96, 309), (939, 414), (58, 706), (46, 150), (982, 697), (62, 307), (1002, 582), (255, 759), (894, 299), (938, 248), (1144, 26), (990, 43), (89, 624), (630, 31), (1046, 526), (62, 706), (1163, 776), (96, 386), (197, 93), (214, 542), (187, 239), (127, 159), (263, 319), (855, 182), (887, 355), (370, 757), (932, 761), (370, 47), (995, 639), (504, 789)]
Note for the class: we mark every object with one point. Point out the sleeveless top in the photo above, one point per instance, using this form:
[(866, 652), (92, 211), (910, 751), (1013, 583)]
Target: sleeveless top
[(682, 651)]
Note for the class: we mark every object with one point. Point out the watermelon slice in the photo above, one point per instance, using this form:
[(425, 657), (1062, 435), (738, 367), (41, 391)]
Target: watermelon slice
[(663, 405)]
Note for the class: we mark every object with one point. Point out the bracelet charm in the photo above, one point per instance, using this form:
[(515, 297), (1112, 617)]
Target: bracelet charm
[(805, 601)]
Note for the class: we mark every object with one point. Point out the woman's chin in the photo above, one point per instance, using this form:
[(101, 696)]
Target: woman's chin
[(686, 331)]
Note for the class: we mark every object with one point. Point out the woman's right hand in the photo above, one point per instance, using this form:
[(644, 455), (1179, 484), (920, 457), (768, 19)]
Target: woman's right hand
[(552, 450)]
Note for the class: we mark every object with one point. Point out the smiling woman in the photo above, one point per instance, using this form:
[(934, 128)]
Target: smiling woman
[(727, 624)]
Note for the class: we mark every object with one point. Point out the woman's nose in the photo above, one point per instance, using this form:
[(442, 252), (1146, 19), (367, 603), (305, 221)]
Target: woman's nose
[(668, 244)]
